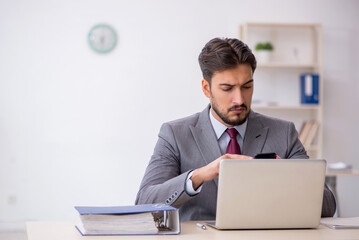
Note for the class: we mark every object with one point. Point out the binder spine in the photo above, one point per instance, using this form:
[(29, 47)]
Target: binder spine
[(309, 88)]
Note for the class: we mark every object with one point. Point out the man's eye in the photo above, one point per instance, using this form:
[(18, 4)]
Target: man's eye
[(247, 87), (226, 89)]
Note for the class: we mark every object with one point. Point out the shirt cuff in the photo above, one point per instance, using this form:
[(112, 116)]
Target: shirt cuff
[(189, 186)]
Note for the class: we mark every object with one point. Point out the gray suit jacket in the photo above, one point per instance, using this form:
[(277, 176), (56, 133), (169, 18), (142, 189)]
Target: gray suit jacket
[(189, 143)]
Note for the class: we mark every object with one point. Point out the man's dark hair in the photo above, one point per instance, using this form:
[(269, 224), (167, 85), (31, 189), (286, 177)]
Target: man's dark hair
[(222, 54)]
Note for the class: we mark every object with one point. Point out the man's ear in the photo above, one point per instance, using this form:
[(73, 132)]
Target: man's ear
[(206, 88)]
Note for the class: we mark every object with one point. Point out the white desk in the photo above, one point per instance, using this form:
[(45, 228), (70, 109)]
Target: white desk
[(67, 231)]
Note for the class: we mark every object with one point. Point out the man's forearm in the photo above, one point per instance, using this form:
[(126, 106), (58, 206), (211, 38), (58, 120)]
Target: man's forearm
[(211, 170)]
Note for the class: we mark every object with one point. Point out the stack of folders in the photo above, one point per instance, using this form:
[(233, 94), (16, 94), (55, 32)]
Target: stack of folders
[(147, 219), (341, 223)]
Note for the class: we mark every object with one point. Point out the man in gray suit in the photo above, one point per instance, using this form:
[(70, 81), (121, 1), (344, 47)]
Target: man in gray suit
[(183, 170)]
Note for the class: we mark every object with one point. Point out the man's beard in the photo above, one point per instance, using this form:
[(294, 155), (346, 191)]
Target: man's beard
[(224, 116)]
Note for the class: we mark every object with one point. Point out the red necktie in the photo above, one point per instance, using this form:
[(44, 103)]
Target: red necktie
[(233, 146)]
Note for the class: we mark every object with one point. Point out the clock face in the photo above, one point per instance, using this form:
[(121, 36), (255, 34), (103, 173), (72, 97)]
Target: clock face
[(102, 38)]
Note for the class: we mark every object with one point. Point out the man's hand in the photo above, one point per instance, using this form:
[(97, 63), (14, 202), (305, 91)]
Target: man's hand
[(211, 170)]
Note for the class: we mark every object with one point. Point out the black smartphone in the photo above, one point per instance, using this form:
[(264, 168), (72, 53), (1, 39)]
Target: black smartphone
[(266, 156)]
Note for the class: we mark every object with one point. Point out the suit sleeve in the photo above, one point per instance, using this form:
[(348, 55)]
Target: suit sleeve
[(296, 151), (329, 204), (163, 181)]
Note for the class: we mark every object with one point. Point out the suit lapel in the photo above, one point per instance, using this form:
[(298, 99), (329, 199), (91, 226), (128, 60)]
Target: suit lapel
[(255, 137), (206, 139)]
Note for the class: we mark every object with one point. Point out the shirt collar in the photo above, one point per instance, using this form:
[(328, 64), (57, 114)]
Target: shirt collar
[(220, 128)]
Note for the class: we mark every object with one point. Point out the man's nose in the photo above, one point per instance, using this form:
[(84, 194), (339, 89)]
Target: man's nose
[(237, 97)]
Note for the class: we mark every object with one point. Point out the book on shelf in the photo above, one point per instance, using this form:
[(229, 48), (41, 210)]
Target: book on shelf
[(146, 219), (308, 132), (312, 133), (304, 131)]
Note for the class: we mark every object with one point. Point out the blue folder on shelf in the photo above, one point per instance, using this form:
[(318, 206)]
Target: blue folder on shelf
[(309, 87), (146, 219)]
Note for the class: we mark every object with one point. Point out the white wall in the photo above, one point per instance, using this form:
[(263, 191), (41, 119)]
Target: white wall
[(79, 128)]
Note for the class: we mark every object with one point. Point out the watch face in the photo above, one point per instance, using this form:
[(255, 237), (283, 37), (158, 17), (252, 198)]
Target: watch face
[(102, 38)]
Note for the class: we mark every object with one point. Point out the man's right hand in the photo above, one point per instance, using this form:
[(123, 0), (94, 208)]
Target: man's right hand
[(211, 170)]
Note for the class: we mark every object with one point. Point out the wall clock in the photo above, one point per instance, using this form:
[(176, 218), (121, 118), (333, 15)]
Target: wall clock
[(102, 38)]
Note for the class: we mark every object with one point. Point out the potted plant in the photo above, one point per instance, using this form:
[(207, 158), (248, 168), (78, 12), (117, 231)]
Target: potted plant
[(264, 50)]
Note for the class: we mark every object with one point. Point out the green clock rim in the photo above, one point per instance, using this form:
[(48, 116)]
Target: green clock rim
[(112, 31)]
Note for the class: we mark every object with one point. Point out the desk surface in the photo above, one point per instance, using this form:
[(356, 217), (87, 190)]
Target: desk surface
[(66, 230), (332, 173)]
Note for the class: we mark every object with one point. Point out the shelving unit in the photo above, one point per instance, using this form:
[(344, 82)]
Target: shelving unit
[(297, 50)]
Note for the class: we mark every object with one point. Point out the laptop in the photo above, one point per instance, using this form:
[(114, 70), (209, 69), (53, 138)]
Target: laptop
[(270, 193)]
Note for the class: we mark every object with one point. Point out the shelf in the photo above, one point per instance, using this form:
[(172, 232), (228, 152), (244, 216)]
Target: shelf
[(288, 107), (285, 65), (281, 25)]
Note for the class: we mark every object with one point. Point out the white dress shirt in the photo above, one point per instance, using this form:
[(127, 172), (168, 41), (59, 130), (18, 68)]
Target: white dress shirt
[(223, 140)]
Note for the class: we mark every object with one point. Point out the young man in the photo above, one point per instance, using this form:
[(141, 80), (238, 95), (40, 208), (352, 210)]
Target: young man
[(184, 168)]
